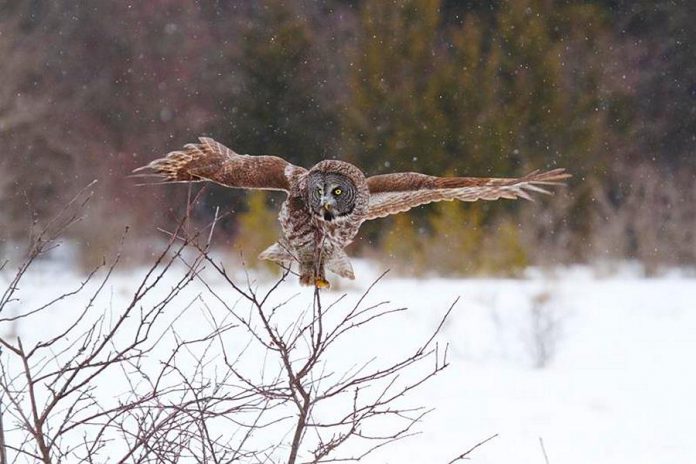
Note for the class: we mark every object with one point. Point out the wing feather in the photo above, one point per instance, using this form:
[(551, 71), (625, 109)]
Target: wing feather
[(212, 161), (399, 192)]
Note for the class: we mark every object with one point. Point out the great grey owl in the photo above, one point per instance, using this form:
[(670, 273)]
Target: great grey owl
[(327, 204)]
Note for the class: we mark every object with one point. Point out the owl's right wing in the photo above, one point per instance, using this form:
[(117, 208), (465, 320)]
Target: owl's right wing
[(212, 161), (399, 192)]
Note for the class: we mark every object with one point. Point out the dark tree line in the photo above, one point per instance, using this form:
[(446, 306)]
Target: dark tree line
[(604, 88)]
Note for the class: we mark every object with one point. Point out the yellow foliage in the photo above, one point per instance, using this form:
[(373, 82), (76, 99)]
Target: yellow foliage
[(258, 229), (504, 253), (457, 242), (402, 246), (454, 247)]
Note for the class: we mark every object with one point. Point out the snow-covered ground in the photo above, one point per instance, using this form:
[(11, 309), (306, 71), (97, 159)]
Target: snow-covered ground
[(618, 384)]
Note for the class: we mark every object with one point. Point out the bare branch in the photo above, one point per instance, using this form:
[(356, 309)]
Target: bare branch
[(465, 455)]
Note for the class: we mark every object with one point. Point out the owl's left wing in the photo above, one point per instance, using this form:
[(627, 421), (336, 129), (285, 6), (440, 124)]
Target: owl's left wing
[(399, 192)]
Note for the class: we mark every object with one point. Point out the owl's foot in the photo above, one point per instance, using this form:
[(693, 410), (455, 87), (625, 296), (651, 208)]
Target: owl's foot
[(320, 282)]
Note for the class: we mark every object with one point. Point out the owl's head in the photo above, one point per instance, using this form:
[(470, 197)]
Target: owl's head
[(335, 189)]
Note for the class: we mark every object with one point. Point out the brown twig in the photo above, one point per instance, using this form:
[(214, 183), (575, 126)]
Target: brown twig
[(465, 454), (543, 450)]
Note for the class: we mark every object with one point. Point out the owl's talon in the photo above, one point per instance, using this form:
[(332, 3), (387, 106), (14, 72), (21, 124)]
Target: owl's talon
[(321, 283)]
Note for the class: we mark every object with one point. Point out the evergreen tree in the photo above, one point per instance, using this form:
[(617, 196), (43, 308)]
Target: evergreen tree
[(391, 120), (488, 95), (282, 103)]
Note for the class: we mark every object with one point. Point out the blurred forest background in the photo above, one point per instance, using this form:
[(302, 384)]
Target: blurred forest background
[(606, 88)]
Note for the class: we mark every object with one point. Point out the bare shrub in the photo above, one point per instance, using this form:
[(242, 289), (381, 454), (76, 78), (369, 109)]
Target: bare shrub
[(251, 378), (650, 216), (318, 407), (545, 325), (52, 386), (547, 232)]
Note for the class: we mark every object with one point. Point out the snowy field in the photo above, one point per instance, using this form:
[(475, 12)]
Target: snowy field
[(617, 385)]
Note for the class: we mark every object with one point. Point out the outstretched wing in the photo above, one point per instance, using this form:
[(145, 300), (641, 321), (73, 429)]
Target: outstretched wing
[(212, 161), (399, 192)]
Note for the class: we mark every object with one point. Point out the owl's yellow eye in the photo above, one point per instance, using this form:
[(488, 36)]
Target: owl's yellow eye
[(337, 191)]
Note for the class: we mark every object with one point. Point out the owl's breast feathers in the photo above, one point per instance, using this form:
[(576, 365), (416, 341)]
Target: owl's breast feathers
[(302, 232)]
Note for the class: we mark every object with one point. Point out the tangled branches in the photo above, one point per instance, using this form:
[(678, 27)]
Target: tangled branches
[(232, 373)]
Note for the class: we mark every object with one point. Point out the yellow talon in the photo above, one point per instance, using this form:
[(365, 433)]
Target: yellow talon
[(321, 283)]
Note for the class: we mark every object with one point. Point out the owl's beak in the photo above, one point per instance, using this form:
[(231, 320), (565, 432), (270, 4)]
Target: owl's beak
[(327, 208)]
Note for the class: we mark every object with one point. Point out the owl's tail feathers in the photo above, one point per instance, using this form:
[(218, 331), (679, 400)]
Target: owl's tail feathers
[(278, 254), (339, 263)]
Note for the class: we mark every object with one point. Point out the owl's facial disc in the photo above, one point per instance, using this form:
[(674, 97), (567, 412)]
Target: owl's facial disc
[(331, 195)]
